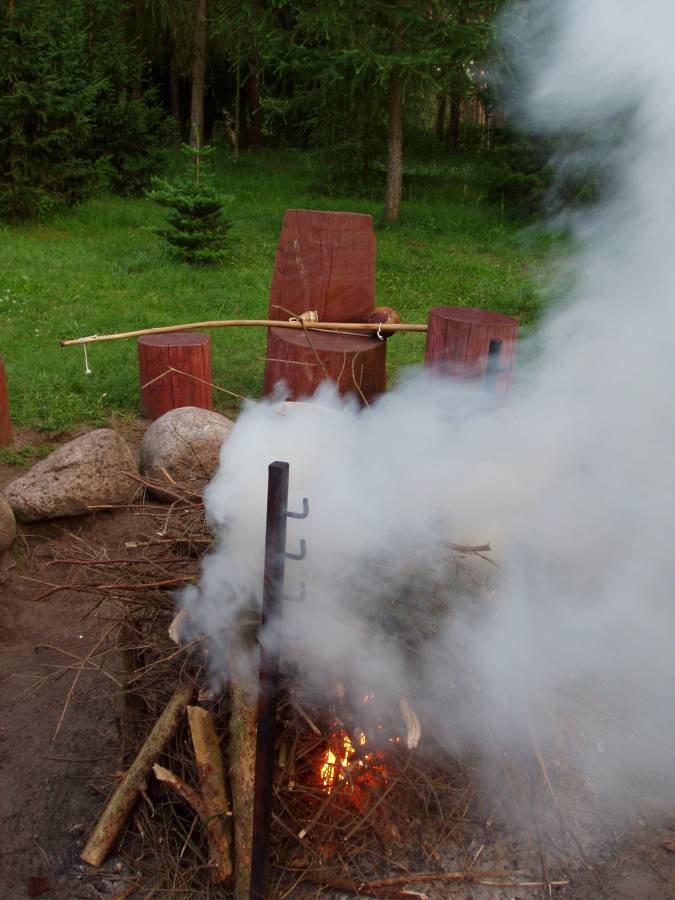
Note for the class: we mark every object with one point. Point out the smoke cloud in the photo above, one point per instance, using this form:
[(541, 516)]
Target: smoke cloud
[(573, 484)]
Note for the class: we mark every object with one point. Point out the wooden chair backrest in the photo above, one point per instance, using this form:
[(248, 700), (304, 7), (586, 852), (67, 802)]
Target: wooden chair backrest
[(325, 262)]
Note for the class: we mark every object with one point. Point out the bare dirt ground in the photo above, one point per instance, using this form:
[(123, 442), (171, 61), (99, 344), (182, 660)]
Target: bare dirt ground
[(59, 747)]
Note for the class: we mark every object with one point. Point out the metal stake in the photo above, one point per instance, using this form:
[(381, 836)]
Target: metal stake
[(273, 586)]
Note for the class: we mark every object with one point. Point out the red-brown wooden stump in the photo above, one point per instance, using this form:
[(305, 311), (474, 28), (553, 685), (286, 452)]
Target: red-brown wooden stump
[(325, 262), (357, 364), (5, 424), (472, 344), (175, 371)]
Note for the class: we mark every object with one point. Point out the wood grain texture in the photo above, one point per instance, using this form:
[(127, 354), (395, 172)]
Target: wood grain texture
[(5, 424), (188, 352), (325, 262), (472, 344), (356, 364)]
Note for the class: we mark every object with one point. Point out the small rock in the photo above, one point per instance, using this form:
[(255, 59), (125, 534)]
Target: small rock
[(89, 471), (185, 443), (7, 525)]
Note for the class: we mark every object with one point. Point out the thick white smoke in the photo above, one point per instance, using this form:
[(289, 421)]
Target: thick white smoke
[(573, 484)]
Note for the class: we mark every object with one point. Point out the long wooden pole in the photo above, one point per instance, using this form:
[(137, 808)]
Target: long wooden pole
[(385, 328)]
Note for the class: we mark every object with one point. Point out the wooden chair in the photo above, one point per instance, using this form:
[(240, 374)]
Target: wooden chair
[(325, 262)]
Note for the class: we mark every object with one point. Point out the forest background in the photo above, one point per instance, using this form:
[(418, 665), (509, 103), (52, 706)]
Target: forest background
[(394, 107)]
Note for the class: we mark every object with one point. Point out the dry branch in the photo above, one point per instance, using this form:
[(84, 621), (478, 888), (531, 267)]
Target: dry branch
[(211, 778), (381, 886), (247, 323), (189, 794), (121, 803)]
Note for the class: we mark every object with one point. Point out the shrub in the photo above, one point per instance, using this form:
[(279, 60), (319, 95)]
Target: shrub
[(198, 229)]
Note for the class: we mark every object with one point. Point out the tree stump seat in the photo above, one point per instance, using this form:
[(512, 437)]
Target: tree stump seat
[(325, 263), (472, 344), (175, 371)]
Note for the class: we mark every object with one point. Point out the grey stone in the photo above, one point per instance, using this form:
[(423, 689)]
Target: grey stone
[(184, 443), (89, 471), (7, 525)]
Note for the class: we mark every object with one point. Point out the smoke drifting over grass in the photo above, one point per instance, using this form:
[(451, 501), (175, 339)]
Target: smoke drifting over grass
[(573, 484)]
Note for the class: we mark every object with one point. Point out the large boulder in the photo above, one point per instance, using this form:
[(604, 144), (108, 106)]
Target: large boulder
[(89, 471), (184, 444), (7, 525)]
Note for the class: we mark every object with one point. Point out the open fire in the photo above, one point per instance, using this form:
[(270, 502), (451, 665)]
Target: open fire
[(361, 771)]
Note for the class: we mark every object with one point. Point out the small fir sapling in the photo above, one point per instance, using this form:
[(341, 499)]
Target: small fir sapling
[(197, 227)]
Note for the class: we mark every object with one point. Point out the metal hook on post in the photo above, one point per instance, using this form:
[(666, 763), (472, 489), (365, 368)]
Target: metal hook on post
[(302, 554), (300, 515)]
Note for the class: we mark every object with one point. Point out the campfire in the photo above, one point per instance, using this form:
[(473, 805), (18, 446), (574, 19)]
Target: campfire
[(359, 800)]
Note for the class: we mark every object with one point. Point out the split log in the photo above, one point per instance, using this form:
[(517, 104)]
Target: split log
[(121, 803), (212, 781), (242, 779)]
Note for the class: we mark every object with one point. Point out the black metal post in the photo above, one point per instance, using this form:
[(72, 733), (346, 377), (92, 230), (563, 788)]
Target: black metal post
[(273, 586)]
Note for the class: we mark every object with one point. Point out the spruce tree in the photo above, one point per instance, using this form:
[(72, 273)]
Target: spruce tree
[(197, 227)]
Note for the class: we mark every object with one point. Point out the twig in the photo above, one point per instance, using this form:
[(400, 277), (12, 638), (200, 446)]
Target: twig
[(71, 690), (375, 888), (556, 802), (303, 325), (187, 793)]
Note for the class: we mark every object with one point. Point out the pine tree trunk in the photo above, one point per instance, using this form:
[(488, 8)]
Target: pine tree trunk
[(139, 10), (440, 117), (198, 74), (392, 200), (255, 129), (453, 124), (174, 93)]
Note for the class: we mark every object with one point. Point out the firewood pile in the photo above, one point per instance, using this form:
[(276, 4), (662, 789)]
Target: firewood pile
[(369, 815)]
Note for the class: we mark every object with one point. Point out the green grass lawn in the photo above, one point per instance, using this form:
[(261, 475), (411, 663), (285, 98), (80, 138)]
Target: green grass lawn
[(98, 268)]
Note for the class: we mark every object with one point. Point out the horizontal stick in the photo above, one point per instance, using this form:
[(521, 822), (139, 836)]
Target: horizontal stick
[(247, 323)]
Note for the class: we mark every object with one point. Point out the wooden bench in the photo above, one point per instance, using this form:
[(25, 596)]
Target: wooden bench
[(325, 262)]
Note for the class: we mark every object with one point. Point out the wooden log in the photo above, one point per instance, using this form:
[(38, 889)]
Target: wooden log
[(163, 389), (121, 803), (472, 344), (357, 364), (242, 769), (5, 424), (325, 261), (212, 781)]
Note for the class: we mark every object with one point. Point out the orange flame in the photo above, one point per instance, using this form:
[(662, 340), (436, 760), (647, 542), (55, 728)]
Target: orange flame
[(341, 763)]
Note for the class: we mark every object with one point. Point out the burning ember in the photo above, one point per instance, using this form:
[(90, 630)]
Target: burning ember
[(337, 762), (363, 772), (351, 761)]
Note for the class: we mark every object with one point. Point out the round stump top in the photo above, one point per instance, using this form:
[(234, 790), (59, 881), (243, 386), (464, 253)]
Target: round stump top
[(471, 315), (175, 339)]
